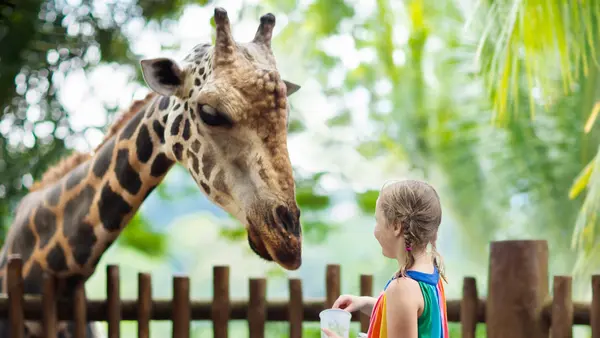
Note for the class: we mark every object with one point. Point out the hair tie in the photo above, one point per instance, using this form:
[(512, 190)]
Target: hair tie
[(408, 248)]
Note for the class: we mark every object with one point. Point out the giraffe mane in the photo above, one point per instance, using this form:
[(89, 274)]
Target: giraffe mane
[(124, 117), (66, 164)]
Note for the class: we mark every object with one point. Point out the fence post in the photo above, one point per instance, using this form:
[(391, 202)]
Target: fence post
[(517, 289), (220, 306), (366, 289), (257, 307), (15, 287), (295, 308), (113, 301), (332, 284), (562, 308), (49, 313), (144, 303), (469, 308), (80, 309), (595, 308), (181, 307)]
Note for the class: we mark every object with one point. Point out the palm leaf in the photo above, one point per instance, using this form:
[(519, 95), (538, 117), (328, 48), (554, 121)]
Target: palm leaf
[(543, 34), (584, 232)]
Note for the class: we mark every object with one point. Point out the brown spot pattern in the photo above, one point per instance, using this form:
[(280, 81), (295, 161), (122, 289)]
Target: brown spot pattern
[(208, 162), (220, 183)]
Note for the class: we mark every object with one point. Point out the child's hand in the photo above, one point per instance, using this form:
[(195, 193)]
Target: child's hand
[(330, 334), (349, 303)]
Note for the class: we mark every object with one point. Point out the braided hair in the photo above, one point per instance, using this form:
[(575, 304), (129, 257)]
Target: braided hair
[(415, 206)]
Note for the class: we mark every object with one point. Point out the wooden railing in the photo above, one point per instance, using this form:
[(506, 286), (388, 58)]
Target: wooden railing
[(518, 298)]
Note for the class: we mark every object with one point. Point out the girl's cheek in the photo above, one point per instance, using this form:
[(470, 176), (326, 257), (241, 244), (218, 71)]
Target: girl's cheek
[(382, 240), (377, 234)]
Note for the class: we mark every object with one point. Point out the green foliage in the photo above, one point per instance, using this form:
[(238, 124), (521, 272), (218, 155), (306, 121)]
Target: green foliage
[(541, 61), (454, 329), (316, 231), (370, 149), (295, 126), (162, 192), (307, 199), (157, 10), (152, 9), (340, 120), (139, 235), (547, 42), (114, 47), (309, 330), (325, 15), (276, 272), (367, 201), (233, 234), (43, 40), (437, 118)]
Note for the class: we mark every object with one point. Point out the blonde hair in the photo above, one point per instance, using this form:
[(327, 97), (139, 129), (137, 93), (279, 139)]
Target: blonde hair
[(415, 206)]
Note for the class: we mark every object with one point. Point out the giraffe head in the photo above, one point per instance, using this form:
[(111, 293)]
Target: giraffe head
[(226, 114)]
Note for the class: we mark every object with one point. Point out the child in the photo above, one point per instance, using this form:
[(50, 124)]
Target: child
[(412, 305)]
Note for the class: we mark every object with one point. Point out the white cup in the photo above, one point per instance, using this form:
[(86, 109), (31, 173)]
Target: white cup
[(336, 320)]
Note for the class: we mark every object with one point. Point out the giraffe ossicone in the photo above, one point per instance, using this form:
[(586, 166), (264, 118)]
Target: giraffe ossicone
[(221, 113)]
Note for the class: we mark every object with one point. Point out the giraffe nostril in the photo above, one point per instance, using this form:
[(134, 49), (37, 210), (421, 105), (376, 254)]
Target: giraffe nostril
[(290, 221)]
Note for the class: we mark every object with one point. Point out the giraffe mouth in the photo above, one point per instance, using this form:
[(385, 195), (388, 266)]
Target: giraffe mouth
[(280, 247), (258, 247)]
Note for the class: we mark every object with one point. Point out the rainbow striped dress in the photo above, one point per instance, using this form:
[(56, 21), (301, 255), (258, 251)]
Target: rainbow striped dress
[(433, 322)]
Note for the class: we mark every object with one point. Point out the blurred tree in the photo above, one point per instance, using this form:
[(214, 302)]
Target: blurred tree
[(477, 98), (540, 68), (43, 41)]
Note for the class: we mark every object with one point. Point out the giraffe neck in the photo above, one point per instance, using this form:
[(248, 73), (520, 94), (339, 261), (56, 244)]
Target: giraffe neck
[(130, 166), (126, 170), (65, 228)]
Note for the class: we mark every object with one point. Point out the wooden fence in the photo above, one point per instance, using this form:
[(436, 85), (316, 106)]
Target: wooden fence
[(518, 302)]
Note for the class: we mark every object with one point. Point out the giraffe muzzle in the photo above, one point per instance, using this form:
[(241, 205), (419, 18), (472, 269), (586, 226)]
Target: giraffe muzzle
[(278, 238)]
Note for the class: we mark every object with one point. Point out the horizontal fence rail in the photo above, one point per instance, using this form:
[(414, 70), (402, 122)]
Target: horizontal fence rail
[(561, 313)]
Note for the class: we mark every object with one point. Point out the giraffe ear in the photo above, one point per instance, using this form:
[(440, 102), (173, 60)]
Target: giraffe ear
[(291, 87), (162, 75)]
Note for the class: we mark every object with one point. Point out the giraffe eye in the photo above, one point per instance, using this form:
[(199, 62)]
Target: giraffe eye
[(210, 116)]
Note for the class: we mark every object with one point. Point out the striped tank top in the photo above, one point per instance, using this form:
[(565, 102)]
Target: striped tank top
[(433, 322)]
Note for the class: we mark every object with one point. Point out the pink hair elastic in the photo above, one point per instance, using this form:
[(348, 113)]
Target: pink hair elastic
[(408, 248)]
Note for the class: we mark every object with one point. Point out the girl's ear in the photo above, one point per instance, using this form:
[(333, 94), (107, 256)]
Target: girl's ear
[(397, 229)]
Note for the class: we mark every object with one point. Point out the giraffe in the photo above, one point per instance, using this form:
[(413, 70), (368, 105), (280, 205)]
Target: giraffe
[(221, 113)]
